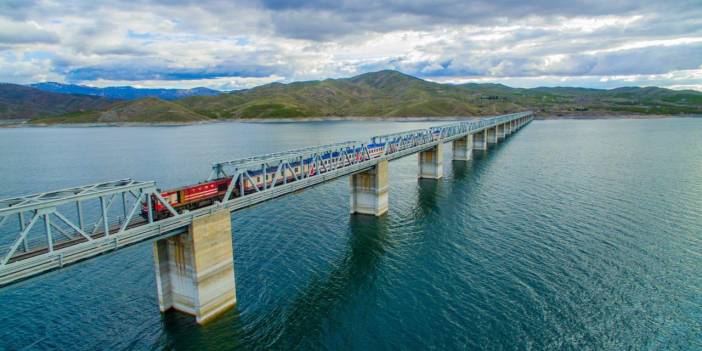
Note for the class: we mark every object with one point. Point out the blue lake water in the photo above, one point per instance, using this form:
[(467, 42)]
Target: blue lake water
[(568, 235)]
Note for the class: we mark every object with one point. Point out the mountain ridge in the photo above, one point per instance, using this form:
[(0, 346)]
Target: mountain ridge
[(391, 94), (395, 94), (22, 102), (125, 92)]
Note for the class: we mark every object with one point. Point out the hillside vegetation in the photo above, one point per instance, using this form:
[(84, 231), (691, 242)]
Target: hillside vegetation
[(20, 102), (385, 93), (393, 94), (149, 110)]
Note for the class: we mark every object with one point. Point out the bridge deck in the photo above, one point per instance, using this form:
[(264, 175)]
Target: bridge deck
[(82, 222)]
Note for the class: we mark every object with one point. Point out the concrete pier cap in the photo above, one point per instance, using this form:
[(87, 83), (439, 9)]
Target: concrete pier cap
[(369, 190), (195, 270)]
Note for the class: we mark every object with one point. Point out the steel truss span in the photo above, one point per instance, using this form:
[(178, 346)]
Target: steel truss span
[(45, 231)]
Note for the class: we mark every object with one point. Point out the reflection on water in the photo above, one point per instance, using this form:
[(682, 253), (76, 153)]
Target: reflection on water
[(564, 236)]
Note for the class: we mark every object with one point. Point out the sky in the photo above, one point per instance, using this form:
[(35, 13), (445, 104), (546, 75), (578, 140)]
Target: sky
[(229, 45)]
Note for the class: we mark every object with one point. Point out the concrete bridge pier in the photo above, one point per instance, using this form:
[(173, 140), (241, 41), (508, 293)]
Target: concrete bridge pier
[(463, 148), (369, 190), (500, 131), (508, 128), (492, 135), (480, 140), (195, 270), (431, 162)]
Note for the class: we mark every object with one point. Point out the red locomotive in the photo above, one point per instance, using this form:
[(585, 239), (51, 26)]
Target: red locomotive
[(188, 197), (204, 194)]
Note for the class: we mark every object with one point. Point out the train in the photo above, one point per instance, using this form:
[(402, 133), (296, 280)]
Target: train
[(204, 194)]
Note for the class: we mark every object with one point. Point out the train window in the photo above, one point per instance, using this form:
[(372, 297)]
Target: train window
[(296, 169), (258, 179)]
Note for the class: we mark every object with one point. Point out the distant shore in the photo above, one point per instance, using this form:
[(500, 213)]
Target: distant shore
[(27, 124)]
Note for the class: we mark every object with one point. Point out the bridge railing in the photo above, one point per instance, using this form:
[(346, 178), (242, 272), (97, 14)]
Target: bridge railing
[(296, 165), (38, 232), (47, 222)]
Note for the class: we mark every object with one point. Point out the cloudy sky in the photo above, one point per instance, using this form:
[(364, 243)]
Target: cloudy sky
[(239, 44)]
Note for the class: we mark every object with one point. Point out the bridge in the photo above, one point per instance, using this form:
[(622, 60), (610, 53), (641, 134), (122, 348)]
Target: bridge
[(193, 255)]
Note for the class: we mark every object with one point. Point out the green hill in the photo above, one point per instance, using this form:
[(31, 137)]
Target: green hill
[(21, 102), (385, 93), (149, 110), (393, 94)]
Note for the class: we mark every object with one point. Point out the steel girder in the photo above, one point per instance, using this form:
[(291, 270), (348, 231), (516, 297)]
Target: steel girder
[(72, 217), (70, 237)]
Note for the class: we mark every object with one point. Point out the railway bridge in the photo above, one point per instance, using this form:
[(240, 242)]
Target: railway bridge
[(193, 255)]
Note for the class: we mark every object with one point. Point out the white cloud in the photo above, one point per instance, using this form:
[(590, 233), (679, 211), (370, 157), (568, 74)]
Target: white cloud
[(223, 83), (28, 32), (232, 45), (27, 71)]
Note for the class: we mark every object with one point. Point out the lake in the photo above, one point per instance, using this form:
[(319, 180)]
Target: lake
[(568, 235)]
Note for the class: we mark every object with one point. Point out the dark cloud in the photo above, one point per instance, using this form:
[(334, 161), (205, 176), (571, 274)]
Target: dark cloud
[(649, 60), (323, 20), (179, 40)]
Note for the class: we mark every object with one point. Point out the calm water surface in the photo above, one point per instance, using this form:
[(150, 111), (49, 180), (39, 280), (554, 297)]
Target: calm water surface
[(569, 235)]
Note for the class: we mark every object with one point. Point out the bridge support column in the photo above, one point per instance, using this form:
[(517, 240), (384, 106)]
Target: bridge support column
[(480, 140), (492, 135), (431, 162), (500, 131), (463, 148), (508, 128), (369, 190), (195, 270)]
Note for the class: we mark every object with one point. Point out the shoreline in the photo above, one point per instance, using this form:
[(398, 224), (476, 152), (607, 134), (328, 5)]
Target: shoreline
[(25, 124)]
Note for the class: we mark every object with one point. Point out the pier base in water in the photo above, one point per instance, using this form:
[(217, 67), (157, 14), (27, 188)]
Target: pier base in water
[(195, 270), (431, 162), (480, 140), (492, 135), (463, 148), (369, 190)]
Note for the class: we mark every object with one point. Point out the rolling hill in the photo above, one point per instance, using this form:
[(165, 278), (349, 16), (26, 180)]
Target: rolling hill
[(149, 110), (392, 94), (385, 93), (21, 102)]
